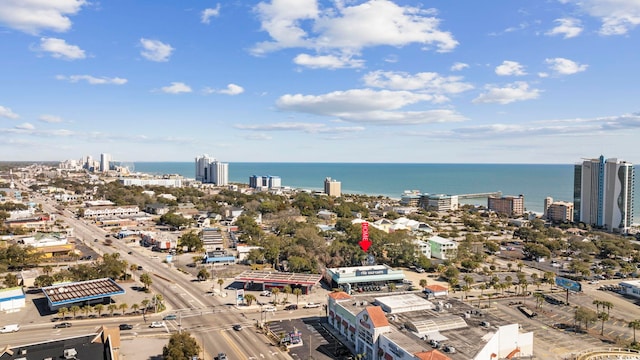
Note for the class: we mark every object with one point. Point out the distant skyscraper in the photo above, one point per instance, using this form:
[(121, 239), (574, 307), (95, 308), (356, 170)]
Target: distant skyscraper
[(202, 167), (211, 171), (105, 160), (603, 193), (264, 182), (332, 187)]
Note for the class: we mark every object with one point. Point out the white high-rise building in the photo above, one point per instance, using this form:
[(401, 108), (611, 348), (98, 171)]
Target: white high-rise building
[(202, 167), (603, 193), (105, 160), (211, 171), (219, 173)]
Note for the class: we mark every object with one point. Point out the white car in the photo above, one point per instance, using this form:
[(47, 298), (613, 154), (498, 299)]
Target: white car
[(9, 328), (265, 293), (157, 324), (311, 305), (269, 309)]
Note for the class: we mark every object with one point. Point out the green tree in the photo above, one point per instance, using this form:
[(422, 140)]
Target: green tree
[(135, 308), (112, 308), (603, 316), (99, 308), (191, 240), (287, 291), (74, 310), (62, 312), (145, 279), (10, 280), (43, 281), (220, 283), (181, 346), (423, 283), (203, 275), (87, 309), (635, 325), (275, 292), (249, 298), (297, 292), (123, 307)]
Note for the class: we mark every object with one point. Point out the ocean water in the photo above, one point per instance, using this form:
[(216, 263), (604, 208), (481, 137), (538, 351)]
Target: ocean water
[(534, 181)]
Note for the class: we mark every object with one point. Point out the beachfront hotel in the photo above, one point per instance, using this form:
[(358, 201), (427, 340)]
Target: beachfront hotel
[(211, 171), (603, 193), (332, 187)]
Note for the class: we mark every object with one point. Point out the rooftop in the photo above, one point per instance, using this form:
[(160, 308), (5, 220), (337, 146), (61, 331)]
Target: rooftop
[(279, 277), (81, 291)]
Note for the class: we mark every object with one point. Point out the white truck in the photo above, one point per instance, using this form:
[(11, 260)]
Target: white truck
[(9, 328)]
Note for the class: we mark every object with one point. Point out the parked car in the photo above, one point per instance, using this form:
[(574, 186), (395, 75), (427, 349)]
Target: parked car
[(291, 307), (62, 325), (221, 356), (237, 327), (265, 293), (170, 317), (157, 324), (269, 309), (126, 326), (311, 305)]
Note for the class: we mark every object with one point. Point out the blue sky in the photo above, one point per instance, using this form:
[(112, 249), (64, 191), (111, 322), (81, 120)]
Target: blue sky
[(500, 81)]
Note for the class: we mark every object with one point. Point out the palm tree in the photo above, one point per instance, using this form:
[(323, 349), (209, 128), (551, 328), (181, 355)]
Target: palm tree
[(220, 282), (74, 309), (47, 269), (468, 280), (135, 308), (287, 290), (62, 312), (275, 292), (635, 325), (123, 307), (466, 289), (145, 305), (112, 308), (423, 283), (482, 287), (520, 265), (146, 280), (87, 309), (608, 305), (297, 292), (539, 299), (249, 298), (392, 287), (597, 303), (98, 308), (203, 275), (509, 281), (603, 316)]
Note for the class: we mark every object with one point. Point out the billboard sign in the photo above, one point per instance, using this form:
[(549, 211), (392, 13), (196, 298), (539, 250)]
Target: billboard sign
[(568, 284)]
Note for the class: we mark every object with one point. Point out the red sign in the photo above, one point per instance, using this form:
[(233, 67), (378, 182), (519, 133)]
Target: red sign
[(365, 243)]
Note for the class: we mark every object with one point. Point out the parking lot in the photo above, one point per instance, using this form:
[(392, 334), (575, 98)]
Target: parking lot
[(317, 342)]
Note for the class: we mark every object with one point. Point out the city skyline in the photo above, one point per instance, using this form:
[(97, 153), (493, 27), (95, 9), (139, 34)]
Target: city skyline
[(320, 81)]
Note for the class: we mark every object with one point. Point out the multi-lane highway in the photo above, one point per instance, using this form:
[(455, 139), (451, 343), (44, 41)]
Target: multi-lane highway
[(208, 318)]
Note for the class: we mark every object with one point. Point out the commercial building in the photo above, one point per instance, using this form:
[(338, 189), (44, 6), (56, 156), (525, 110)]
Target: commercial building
[(105, 161), (332, 187), (405, 326), (151, 182), (108, 210), (558, 211), (348, 278), (211, 171), (265, 182), (443, 249), (265, 280), (12, 299), (439, 202), (630, 288), (603, 193), (81, 293), (508, 205)]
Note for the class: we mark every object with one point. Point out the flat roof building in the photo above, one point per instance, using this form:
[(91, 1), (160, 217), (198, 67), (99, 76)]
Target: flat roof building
[(509, 205), (80, 293), (347, 277)]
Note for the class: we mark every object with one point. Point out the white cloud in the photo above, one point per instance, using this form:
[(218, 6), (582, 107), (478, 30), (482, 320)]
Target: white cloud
[(207, 14), (327, 61), (459, 66), (50, 118), (368, 106), (60, 49), (25, 126), (311, 128), (92, 79), (618, 16), (564, 66), (543, 74), (348, 29), (510, 68), (176, 88), (426, 81), (7, 113), (34, 16), (232, 89), (155, 50), (569, 27), (517, 91)]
